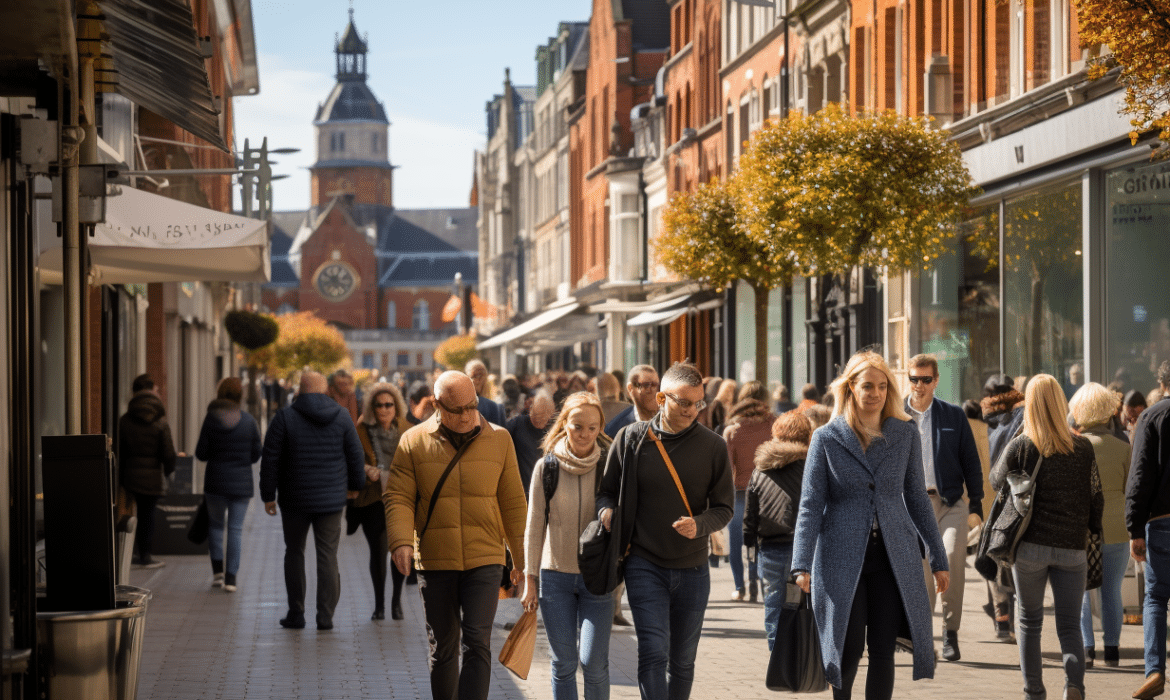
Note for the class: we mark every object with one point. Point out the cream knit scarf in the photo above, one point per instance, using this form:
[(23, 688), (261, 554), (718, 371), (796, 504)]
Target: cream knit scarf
[(571, 462)]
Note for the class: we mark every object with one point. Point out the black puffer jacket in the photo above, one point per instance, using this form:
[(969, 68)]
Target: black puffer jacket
[(230, 444), (145, 449), (312, 455), (773, 494)]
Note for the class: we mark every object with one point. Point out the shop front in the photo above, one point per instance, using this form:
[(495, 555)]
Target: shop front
[(1060, 273)]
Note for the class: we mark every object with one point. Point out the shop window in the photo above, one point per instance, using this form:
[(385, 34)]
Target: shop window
[(418, 359), (958, 318), (1042, 275), (391, 314), (1137, 337), (368, 360), (403, 358)]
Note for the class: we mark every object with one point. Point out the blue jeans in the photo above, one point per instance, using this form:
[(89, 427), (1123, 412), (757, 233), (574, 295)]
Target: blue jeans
[(572, 615), (735, 543), (774, 561), (1115, 557), (1157, 593), (1036, 566), (668, 607), (235, 509)]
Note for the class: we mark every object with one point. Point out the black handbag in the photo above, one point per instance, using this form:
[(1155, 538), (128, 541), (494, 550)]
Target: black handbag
[(1095, 574), (796, 664), (197, 533), (1008, 521), (597, 558)]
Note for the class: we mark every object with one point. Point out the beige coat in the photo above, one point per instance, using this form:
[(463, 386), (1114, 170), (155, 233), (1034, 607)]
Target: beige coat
[(481, 505), (1112, 456), (979, 429)]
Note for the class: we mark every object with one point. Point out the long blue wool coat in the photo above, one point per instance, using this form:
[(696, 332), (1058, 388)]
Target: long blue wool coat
[(844, 488)]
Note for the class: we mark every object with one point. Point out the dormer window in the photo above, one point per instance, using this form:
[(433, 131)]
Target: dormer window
[(337, 142), (374, 144)]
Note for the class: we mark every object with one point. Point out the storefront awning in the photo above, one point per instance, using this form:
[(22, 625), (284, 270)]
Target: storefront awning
[(533, 324), (661, 317), (150, 238), (160, 65)]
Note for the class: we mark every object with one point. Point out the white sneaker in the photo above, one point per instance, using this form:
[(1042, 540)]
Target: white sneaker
[(230, 588), (217, 581)]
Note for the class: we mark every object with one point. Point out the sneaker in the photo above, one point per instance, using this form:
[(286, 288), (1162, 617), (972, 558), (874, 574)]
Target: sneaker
[(217, 580), (229, 583), (738, 594)]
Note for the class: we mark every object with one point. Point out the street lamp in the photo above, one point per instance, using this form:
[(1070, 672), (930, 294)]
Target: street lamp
[(255, 163)]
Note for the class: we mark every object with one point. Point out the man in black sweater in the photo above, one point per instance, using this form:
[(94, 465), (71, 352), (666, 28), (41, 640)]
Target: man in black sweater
[(527, 431), (1147, 517), (667, 580)]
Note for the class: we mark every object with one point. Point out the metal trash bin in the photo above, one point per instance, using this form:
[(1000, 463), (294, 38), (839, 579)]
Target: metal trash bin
[(94, 654)]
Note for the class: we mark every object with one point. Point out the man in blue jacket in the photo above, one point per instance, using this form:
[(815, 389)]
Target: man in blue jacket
[(314, 458), (950, 461)]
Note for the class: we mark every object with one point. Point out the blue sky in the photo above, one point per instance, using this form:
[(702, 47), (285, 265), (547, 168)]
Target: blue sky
[(433, 64)]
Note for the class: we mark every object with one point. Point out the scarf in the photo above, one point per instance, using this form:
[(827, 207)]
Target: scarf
[(385, 442), (571, 462)]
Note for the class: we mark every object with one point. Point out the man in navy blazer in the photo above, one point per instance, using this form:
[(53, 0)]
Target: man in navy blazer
[(950, 462)]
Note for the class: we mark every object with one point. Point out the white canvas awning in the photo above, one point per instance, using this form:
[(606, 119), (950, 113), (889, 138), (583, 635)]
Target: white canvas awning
[(150, 238)]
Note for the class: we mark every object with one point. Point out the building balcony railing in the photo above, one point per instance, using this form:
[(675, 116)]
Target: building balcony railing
[(387, 335)]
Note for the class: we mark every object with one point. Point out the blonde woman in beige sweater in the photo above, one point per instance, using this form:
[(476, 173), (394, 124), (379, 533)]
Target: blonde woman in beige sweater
[(576, 621)]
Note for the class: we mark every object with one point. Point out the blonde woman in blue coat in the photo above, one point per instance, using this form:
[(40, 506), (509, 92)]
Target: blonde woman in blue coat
[(863, 512)]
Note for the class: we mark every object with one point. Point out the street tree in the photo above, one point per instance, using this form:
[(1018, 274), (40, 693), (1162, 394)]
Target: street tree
[(831, 191), (703, 240), (455, 352), (305, 340), (1137, 33)]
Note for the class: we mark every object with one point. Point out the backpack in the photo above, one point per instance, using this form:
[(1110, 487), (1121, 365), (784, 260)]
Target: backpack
[(550, 476)]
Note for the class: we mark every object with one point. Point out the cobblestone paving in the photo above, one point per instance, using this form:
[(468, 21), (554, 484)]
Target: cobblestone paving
[(203, 643)]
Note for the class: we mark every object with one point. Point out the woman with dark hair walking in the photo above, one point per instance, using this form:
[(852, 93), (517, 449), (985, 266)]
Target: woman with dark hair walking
[(229, 442), (382, 423)]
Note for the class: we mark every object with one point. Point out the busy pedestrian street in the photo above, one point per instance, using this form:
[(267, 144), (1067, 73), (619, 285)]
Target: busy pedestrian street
[(204, 644)]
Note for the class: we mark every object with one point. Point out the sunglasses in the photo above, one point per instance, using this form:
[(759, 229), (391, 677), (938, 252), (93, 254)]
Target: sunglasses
[(473, 406), (684, 404), (644, 386), (388, 404), (924, 380)]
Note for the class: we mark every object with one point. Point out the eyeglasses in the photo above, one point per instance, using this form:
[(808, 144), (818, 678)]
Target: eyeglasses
[(924, 380), (684, 404), (388, 404), (473, 406), (644, 386)]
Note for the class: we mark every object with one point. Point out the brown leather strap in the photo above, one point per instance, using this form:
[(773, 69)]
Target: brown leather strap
[(670, 466)]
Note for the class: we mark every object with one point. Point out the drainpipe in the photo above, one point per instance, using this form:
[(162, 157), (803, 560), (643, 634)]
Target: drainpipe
[(71, 242)]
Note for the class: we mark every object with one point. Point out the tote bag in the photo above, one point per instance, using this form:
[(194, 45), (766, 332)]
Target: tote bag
[(796, 664)]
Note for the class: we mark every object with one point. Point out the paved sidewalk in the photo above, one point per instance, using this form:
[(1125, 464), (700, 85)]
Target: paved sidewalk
[(203, 643)]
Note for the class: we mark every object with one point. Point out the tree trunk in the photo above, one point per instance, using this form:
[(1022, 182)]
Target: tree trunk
[(761, 307)]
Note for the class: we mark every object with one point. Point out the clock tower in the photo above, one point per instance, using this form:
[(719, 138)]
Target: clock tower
[(353, 133)]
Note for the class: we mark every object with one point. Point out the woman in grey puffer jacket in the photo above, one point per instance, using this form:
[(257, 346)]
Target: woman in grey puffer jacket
[(769, 518)]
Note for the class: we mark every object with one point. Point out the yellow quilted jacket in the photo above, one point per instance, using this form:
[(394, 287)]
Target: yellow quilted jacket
[(481, 507)]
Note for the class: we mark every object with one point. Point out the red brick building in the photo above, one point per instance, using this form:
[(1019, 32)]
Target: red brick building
[(380, 274)]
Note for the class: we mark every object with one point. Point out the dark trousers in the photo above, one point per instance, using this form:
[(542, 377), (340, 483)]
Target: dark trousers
[(460, 604), (875, 618), (373, 523), (144, 534), (326, 537)]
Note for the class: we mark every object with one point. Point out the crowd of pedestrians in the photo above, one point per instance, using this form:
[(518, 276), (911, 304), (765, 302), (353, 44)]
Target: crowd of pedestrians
[(868, 499)]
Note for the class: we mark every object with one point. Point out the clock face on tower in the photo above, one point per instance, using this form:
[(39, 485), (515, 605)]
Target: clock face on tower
[(335, 280)]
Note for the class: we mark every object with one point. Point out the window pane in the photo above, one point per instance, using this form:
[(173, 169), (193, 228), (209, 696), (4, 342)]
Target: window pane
[(959, 301), (1044, 330), (1138, 308)]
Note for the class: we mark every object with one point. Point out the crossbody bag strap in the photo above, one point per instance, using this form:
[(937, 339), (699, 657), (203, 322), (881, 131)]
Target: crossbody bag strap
[(439, 487), (670, 466)]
